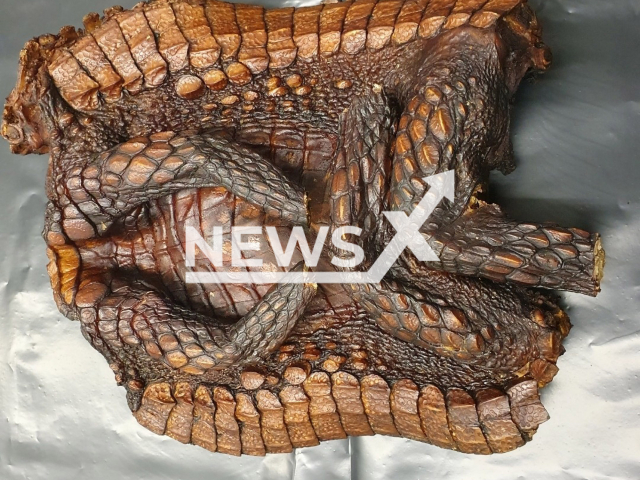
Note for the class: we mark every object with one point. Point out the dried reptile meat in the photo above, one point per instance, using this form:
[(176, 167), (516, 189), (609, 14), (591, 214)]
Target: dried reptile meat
[(201, 114)]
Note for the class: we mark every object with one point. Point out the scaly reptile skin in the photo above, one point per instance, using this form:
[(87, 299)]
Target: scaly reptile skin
[(199, 113)]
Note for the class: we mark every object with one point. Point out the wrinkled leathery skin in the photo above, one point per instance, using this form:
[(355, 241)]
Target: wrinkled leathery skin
[(200, 114)]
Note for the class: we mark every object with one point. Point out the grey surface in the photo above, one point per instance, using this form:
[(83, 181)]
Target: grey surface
[(577, 138)]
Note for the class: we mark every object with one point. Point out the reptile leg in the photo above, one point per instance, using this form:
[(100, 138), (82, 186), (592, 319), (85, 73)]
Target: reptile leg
[(483, 242), (450, 122), (117, 313), (143, 168), (356, 181)]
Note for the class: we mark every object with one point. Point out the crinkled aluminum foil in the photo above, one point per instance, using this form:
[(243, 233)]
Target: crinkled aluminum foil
[(577, 138)]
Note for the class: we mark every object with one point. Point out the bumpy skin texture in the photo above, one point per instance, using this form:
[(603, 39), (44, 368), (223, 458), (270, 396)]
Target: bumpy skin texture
[(202, 114)]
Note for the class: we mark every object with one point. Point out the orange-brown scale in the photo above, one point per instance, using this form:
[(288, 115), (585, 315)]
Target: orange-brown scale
[(407, 22), (142, 45), (282, 51), (194, 25), (172, 44), (222, 19), (112, 42), (253, 52)]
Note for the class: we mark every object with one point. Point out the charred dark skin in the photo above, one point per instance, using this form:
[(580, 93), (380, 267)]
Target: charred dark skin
[(199, 113)]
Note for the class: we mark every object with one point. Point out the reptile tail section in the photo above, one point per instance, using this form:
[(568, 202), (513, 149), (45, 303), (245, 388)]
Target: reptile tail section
[(319, 407)]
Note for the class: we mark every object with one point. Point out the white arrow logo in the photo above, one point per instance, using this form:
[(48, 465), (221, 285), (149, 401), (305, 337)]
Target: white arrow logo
[(408, 227), (408, 236)]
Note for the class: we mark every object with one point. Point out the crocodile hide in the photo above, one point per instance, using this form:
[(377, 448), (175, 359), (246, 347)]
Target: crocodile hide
[(205, 114)]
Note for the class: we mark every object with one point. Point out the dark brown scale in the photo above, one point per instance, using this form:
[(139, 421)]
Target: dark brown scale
[(192, 115)]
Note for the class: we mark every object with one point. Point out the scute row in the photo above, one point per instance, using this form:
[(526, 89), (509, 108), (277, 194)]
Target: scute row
[(137, 49), (330, 407)]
